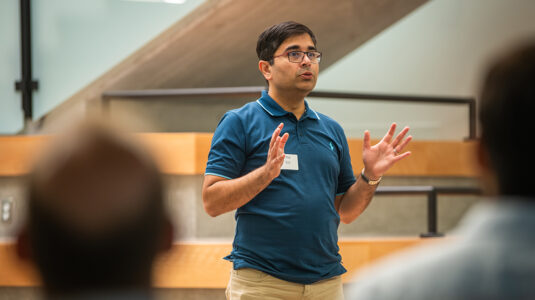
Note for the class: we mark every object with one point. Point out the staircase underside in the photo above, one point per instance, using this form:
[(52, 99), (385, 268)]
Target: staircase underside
[(214, 46)]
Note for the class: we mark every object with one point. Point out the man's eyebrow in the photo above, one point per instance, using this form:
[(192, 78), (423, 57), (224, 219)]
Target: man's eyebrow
[(292, 47), (296, 47)]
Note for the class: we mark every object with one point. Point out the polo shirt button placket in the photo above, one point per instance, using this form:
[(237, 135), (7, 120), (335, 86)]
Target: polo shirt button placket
[(300, 133), (297, 131)]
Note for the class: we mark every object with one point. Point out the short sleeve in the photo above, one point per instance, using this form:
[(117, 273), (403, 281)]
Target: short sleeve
[(227, 152), (346, 178)]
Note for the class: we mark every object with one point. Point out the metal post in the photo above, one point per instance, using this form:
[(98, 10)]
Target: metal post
[(26, 85), (431, 215), (472, 119)]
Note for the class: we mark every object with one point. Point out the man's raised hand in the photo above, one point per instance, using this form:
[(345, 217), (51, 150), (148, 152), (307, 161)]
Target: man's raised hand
[(275, 157), (382, 156)]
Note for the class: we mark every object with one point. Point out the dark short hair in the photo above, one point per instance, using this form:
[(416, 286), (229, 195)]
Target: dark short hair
[(507, 106), (271, 39)]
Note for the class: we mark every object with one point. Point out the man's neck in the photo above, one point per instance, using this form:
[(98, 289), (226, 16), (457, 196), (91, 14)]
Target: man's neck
[(290, 102)]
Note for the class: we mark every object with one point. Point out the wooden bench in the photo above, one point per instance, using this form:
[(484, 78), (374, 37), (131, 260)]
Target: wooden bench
[(200, 264)]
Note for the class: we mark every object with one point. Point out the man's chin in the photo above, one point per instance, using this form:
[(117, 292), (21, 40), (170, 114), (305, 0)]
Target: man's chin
[(306, 87)]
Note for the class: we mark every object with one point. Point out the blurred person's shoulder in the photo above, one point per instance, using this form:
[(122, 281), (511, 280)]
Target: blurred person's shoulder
[(475, 261)]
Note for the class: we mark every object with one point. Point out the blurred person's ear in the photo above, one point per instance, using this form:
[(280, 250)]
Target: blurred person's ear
[(167, 236), (23, 247), (487, 174), (482, 156)]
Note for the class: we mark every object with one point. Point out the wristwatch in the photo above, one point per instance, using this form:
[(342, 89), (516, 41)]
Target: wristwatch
[(368, 181)]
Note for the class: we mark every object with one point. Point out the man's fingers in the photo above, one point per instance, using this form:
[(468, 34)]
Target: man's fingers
[(273, 151), (388, 136), (401, 156), (283, 141), (400, 137), (273, 137), (275, 134), (404, 143), (366, 140), (276, 145), (280, 160)]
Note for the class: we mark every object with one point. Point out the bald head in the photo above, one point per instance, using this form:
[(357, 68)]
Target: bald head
[(96, 214)]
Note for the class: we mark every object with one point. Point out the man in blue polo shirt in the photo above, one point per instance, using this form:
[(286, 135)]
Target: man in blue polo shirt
[(286, 169)]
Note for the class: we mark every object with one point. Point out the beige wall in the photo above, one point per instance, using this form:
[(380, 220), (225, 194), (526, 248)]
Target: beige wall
[(439, 49)]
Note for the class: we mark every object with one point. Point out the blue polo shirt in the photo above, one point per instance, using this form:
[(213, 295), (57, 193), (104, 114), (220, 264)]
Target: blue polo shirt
[(289, 230)]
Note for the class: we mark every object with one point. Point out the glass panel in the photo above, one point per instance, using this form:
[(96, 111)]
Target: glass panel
[(74, 42), (428, 121), (11, 115)]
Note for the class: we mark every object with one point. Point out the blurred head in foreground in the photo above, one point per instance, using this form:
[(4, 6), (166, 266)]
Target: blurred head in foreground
[(491, 254), (507, 103), (96, 217)]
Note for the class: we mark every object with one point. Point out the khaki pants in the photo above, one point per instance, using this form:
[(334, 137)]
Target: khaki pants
[(250, 284)]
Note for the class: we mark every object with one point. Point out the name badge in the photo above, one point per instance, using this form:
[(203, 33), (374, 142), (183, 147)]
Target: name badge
[(290, 162)]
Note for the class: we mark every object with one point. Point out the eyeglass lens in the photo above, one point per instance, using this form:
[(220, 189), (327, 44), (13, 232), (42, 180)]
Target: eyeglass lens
[(297, 56)]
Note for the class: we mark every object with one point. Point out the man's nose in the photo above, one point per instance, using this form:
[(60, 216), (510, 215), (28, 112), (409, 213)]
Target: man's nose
[(306, 60)]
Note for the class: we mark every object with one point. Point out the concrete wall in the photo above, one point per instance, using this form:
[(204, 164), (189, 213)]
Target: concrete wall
[(386, 215), (439, 49), (12, 189)]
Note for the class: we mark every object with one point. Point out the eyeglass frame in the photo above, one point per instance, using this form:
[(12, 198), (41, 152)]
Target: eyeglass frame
[(287, 53)]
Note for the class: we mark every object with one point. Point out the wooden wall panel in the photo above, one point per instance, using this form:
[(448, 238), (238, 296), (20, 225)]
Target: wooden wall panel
[(14, 271), (428, 158), (187, 153), (18, 152)]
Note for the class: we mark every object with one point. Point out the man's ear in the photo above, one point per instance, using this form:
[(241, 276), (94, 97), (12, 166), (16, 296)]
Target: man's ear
[(23, 246), (265, 69), (167, 236)]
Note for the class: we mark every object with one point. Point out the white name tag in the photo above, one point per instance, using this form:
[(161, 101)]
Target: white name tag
[(290, 162)]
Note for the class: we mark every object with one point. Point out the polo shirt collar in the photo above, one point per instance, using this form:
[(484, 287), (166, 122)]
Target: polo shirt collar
[(275, 110)]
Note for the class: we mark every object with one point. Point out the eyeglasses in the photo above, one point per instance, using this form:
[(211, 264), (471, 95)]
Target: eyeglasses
[(298, 56)]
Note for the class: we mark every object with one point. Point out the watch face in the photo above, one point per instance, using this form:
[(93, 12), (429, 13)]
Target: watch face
[(368, 181), (374, 182)]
